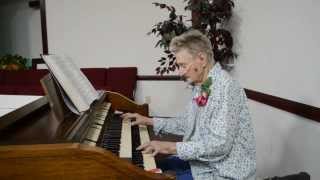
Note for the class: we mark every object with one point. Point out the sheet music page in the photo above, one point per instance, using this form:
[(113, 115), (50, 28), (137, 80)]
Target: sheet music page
[(66, 98), (72, 80)]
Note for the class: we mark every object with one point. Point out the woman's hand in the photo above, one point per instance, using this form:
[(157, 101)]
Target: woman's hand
[(138, 119), (155, 147)]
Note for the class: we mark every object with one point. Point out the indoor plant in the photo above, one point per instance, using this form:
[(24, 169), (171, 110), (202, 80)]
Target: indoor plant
[(208, 16), (13, 62)]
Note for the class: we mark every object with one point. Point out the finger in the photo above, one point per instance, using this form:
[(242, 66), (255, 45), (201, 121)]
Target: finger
[(126, 115), (147, 150), (155, 152), (123, 115), (134, 123), (129, 116), (142, 146)]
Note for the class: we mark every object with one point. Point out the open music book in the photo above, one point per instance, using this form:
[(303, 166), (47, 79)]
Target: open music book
[(77, 91)]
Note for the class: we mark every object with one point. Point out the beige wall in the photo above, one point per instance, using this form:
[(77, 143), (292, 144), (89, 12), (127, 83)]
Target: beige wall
[(279, 45), (277, 42), (20, 29)]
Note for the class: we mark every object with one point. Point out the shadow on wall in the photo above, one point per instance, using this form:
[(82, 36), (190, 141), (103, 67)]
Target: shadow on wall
[(15, 27), (300, 152), (234, 27), (291, 150)]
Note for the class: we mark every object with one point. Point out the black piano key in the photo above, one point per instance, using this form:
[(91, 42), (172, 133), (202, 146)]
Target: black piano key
[(136, 155), (112, 135)]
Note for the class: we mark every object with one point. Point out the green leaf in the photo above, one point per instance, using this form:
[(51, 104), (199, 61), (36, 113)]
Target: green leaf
[(205, 86), (158, 43)]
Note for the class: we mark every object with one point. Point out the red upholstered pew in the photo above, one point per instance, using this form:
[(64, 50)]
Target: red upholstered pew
[(27, 82)]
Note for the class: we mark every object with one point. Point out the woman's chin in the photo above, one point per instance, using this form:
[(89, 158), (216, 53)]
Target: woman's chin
[(189, 81)]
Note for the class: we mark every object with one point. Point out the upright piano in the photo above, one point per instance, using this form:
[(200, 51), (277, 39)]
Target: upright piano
[(44, 140)]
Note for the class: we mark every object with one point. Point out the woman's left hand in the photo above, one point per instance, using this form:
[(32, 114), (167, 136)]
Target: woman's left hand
[(155, 147)]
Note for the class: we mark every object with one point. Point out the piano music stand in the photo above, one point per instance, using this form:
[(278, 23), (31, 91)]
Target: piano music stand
[(54, 97)]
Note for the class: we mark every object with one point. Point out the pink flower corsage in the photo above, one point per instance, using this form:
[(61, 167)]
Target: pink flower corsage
[(201, 100), (205, 93)]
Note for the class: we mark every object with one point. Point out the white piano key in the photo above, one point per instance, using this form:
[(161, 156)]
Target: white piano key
[(149, 162), (106, 106), (126, 141), (90, 143), (93, 134), (97, 126), (107, 109), (95, 130), (101, 115), (99, 122)]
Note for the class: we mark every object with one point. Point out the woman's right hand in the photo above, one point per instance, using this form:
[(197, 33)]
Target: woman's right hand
[(138, 119)]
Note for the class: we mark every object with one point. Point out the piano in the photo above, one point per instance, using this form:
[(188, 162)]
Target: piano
[(44, 140)]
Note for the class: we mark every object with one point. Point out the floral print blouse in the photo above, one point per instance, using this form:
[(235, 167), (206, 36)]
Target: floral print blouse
[(218, 138)]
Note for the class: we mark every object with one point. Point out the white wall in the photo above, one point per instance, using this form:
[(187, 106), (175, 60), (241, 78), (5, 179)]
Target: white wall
[(286, 143), (167, 98), (278, 55), (20, 29), (278, 46), (99, 33)]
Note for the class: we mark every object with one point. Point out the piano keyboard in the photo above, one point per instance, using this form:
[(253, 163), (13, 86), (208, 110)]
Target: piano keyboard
[(119, 137), (148, 159)]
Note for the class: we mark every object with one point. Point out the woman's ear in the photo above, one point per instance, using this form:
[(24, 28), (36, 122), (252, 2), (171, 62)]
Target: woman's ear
[(202, 58)]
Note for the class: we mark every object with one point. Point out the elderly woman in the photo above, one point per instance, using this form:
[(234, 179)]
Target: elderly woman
[(218, 139)]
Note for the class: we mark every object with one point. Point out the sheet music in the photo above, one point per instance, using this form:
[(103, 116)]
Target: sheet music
[(68, 102), (72, 80)]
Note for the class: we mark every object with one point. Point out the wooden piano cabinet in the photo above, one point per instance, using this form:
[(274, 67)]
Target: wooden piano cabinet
[(122, 103), (42, 140), (67, 161)]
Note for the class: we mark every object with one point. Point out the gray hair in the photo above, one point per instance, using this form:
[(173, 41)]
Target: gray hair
[(194, 42)]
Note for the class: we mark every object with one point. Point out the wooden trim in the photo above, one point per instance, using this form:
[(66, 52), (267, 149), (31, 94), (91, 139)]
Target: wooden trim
[(41, 4), (34, 4), (297, 108), (158, 78), (300, 109), (44, 27), (36, 61)]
